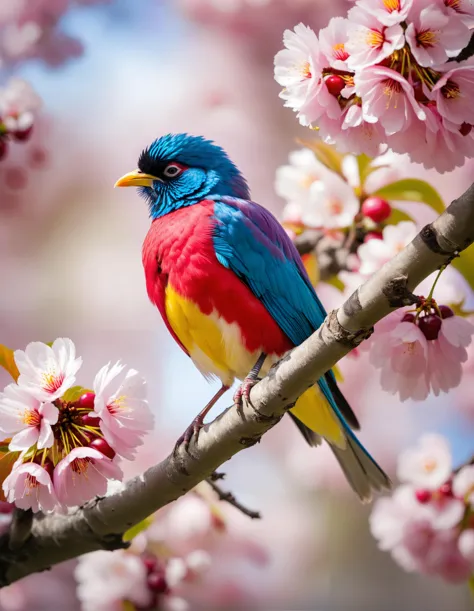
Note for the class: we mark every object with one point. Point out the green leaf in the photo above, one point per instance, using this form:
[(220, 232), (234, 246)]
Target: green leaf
[(397, 216), (336, 282), (326, 154), (7, 361), (74, 393), (363, 161), (465, 264), (412, 190), (131, 533)]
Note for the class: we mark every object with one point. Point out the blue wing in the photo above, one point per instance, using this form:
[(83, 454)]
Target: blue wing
[(251, 242)]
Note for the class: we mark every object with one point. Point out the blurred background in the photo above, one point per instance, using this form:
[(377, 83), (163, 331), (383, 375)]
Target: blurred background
[(112, 77)]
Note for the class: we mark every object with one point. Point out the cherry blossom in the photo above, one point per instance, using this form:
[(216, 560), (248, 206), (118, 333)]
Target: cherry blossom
[(124, 412), (29, 486), (370, 42), (106, 579), (427, 465), (433, 36), (26, 418), (48, 371), (375, 253), (388, 12), (83, 474), (463, 484), (453, 93), (298, 68), (333, 40), (332, 204), (387, 97)]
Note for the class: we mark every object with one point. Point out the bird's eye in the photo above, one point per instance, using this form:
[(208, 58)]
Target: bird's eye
[(172, 170)]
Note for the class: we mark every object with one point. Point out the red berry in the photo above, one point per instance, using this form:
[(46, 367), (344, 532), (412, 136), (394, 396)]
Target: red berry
[(88, 437), (445, 311), (6, 508), (150, 563), (430, 326), (157, 582), (49, 467), (23, 134), (103, 447), (465, 129), (335, 84), (88, 420), (86, 401), (376, 209), (446, 489), (3, 148), (373, 235), (423, 496), (409, 317)]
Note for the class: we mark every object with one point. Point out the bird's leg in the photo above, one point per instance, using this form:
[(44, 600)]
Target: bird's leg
[(244, 389), (198, 422)]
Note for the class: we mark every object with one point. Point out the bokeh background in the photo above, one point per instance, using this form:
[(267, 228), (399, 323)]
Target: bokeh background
[(70, 265)]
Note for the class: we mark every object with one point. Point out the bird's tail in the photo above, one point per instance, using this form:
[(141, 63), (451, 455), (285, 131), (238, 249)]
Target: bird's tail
[(317, 415)]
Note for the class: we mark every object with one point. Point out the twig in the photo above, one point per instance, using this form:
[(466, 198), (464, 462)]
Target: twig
[(228, 497), (100, 523)]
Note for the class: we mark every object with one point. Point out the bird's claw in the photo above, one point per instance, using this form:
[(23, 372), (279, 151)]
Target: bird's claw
[(192, 431), (243, 391)]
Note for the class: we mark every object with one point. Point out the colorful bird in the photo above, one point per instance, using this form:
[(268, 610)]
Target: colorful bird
[(232, 289)]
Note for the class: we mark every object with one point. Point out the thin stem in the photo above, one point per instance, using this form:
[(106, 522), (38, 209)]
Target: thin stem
[(441, 270)]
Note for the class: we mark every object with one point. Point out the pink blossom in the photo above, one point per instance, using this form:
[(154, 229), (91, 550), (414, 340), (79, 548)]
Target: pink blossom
[(83, 474), (293, 181), (464, 9), (388, 12), (47, 371), (26, 418), (29, 486), (466, 545), (124, 411), (375, 253), (106, 579), (299, 69), (18, 103), (454, 93), (387, 97), (402, 356), (332, 204), (370, 41), (351, 133), (428, 465), (332, 41), (463, 484), (433, 36)]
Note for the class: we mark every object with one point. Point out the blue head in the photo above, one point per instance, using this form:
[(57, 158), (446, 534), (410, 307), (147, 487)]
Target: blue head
[(179, 170)]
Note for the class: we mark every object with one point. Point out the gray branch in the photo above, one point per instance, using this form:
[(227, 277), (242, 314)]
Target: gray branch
[(101, 523)]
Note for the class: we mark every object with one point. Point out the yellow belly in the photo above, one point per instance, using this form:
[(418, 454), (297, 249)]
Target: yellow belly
[(216, 349)]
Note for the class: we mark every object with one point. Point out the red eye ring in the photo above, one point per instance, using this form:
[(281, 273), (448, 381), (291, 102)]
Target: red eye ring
[(173, 170)]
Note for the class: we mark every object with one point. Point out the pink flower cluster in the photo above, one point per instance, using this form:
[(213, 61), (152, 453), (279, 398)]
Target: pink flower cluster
[(68, 440), (420, 351), (19, 105), (32, 29), (167, 565), (383, 76), (428, 522)]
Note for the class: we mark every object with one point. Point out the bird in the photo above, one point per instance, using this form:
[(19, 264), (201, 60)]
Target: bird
[(233, 291)]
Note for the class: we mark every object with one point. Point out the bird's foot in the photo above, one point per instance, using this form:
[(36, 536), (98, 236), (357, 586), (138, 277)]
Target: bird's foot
[(243, 391), (192, 431)]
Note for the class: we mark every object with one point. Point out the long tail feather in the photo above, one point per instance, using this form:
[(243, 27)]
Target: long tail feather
[(362, 472), (344, 407), (312, 438)]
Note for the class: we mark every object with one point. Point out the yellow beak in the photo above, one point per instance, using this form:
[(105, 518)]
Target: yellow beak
[(136, 179)]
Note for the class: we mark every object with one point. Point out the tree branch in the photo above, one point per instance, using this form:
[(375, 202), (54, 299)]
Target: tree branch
[(100, 523)]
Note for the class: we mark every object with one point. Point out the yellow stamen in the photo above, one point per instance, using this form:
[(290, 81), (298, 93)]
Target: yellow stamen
[(427, 38), (375, 39), (31, 418), (391, 90), (451, 90), (335, 206), (81, 465), (340, 51), (392, 5), (306, 70), (429, 465), (52, 380)]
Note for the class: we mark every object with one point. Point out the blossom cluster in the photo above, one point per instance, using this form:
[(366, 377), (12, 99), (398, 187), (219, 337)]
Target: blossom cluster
[(19, 105), (383, 76), (428, 522), (168, 563), (66, 441)]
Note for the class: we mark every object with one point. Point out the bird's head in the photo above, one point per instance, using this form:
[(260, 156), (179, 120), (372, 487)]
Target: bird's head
[(179, 170)]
